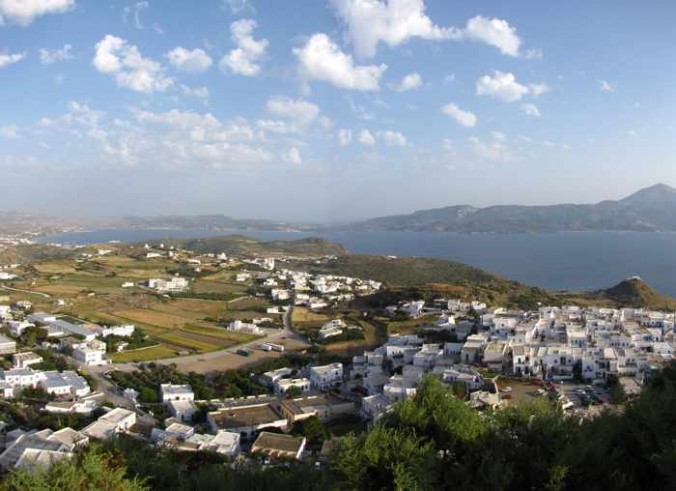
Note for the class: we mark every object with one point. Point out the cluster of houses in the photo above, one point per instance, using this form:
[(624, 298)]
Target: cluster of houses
[(553, 344), (33, 450), (317, 291), (61, 384), (84, 338)]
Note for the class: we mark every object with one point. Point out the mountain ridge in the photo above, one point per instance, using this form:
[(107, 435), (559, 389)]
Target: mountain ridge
[(649, 209)]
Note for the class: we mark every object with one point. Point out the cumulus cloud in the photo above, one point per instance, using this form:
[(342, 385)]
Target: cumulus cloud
[(189, 61), (321, 59), (504, 87), (246, 57), (344, 137), (10, 58), (494, 32), (48, 57), (530, 110), (392, 138), (465, 118), (605, 86), (298, 110), (115, 56), (24, 12), (366, 138), (411, 81), (394, 22), (292, 156)]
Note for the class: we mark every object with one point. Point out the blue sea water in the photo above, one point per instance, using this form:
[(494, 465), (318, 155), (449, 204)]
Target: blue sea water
[(560, 261)]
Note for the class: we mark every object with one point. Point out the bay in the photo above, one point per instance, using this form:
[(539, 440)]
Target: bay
[(558, 261)]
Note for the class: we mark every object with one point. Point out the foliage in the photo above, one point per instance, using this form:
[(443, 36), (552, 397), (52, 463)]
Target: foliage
[(435, 441), (91, 470)]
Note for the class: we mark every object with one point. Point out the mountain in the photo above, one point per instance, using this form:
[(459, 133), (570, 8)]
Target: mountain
[(634, 292), (650, 209), (239, 244)]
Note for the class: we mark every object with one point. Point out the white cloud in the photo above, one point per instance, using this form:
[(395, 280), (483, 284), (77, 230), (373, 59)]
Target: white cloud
[(199, 92), (504, 87), (392, 22), (465, 118), (9, 58), (537, 90), (190, 61), (606, 86), (278, 127), (23, 12), (494, 32), (392, 138), (48, 57), (298, 110), (395, 22), (409, 82), (246, 57), (344, 137), (493, 150), (530, 110), (115, 56), (321, 59), (292, 156), (9, 131), (366, 138)]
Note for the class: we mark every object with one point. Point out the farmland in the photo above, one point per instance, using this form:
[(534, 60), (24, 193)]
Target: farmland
[(91, 289)]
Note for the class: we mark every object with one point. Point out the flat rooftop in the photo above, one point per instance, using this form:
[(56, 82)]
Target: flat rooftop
[(238, 417), (277, 443)]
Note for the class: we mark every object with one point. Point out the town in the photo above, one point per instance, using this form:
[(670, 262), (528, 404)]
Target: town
[(293, 395)]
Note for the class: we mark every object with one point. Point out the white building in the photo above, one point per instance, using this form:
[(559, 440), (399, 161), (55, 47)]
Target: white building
[(332, 328), (175, 284), (240, 326), (116, 421), (7, 345), (171, 392), (26, 359), (90, 356), (284, 384), (327, 376)]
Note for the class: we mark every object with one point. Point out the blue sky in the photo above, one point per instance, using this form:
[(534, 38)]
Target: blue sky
[(331, 110)]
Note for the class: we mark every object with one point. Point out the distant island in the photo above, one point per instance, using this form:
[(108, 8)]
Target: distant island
[(651, 209)]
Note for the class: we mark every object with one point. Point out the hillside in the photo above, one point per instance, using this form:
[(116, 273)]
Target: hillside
[(650, 209), (432, 277), (239, 244), (634, 292)]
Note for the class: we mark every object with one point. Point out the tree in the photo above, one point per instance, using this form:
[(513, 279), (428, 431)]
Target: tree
[(91, 470), (312, 429), (293, 391), (148, 394)]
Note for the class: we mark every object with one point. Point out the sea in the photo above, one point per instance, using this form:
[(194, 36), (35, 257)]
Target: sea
[(572, 261)]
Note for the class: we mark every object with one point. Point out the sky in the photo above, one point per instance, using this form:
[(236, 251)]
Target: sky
[(331, 110)]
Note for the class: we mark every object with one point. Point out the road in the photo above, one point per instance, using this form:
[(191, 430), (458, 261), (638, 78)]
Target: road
[(228, 359), (45, 295)]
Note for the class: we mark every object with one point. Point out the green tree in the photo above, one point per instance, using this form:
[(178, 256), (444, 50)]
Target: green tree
[(91, 470)]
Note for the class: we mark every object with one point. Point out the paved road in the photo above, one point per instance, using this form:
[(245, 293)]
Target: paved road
[(45, 295)]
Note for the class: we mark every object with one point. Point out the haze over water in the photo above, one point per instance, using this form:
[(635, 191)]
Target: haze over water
[(563, 260)]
